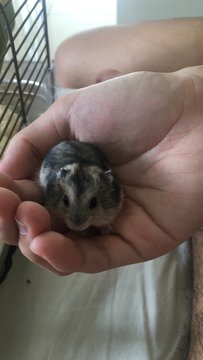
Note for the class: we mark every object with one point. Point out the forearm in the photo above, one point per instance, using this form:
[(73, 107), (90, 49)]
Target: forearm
[(168, 45), (196, 343), (162, 46)]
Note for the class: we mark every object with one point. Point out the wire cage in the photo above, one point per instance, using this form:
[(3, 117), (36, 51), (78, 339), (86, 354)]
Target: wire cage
[(26, 80), (24, 63)]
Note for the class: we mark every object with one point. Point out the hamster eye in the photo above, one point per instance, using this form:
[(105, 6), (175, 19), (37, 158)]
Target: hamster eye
[(93, 203), (65, 200)]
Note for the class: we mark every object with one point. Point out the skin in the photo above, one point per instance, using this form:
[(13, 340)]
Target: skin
[(162, 46), (156, 151)]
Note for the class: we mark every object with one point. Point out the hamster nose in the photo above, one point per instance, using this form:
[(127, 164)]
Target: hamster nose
[(77, 219)]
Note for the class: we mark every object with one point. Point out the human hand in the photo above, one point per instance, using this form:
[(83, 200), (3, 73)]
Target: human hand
[(149, 126)]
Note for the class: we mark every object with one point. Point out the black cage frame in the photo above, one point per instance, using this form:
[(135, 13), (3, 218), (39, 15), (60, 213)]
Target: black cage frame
[(21, 74)]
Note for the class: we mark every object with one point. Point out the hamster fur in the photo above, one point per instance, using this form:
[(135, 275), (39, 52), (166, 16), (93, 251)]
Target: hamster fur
[(78, 182)]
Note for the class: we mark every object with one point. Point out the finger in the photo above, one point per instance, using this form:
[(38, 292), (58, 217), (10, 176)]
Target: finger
[(69, 254), (32, 219), (9, 202), (25, 189), (27, 149)]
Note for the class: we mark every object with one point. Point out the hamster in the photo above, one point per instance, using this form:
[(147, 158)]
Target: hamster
[(78, 183)]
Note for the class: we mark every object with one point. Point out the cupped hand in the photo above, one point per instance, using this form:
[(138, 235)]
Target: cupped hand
[(150, 128)]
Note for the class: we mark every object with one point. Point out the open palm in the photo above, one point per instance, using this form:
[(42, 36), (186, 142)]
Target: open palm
[(150, 128)]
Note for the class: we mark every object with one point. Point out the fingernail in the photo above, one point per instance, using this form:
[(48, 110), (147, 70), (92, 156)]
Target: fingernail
[(34, 248), (21, 227)]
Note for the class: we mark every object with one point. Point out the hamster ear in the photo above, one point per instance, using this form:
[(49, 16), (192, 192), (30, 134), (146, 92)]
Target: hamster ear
[(62, 173), (108, 175)]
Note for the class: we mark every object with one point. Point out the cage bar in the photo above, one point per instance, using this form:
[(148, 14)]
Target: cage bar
[(24, 62)]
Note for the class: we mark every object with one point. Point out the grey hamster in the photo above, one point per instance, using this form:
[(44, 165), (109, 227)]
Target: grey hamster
[(78, 182)]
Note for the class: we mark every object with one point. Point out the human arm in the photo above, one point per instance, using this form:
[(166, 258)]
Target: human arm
[(98, 54)]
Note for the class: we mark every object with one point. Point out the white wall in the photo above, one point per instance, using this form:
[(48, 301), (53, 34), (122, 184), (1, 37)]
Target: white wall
[(66, 17), (131, 11)]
